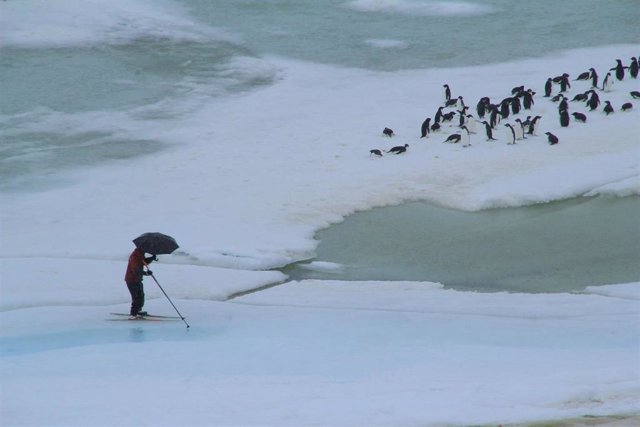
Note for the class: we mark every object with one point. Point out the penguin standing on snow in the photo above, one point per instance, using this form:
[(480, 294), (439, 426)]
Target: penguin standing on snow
[(527, 99), (553, 140), (438, 115), (471, 123), (511, 135), (465, 137), (608, 109), (519, 130), (495, 117), (633, 68), (481, 108), (594, 78), (487, 128), (424, 130), (594, 101), (564, 118), (533, 127), (608, 82), (548, 87), (564, 105), (564, 83), (619, 70), (447, 92)]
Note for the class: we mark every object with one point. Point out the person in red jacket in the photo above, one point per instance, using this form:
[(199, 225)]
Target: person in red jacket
[(133, 278)]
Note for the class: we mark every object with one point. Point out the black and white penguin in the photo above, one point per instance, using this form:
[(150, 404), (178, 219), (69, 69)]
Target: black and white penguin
[(633, 67), (584, 76), (594, 101), (627, 106), (424, 129), (579, 117), (553, 140), (471, 123), (375, 152), (619, 68), (563, 105), (487, 128), (519, 130), (465, 137), (438, 115), (608, 109), (388, 132), (511, 135), (581, 97), (515, 105), (453, 139), (447, 92), (447, 117), (460, 103), (594, 78), (481, 107), (635, 94), (564, 118), (608, 82), (435, 127), (548, 87), (527, 99), (505, 108), (462, 120), (533, 127), (564, 83), (526, 125), (399, 149), (495, 117)]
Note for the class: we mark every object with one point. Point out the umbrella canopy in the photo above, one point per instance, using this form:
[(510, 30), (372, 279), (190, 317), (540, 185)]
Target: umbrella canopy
[(155, 243)]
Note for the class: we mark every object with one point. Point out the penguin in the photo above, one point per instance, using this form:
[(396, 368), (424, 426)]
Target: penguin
[(451, 102), (481, 108), (375, 152), (635, 94), (435, 127), (564, 83), (505, 109), (487, 128), (579, 117), (526, 125), (424, 130), (608, 109), (619, 68), (399, 149), (511, 135), (594, 78), (438, 115), (453, 139), (515, 105), (627, 106), (594, 101), (388, 132), (608, 82), (471, 123), (633, 68), (460, 103), (584, 76), (533, 127), (527, 99), (564, 118), (462, 120), (553, 140), (564, 105), (548, 87), (519, 130), (581, 97), (447, 92), (495, 117), (465, 137), (447, 117)]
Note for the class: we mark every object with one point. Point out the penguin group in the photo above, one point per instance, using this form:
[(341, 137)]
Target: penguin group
[(454, 113)]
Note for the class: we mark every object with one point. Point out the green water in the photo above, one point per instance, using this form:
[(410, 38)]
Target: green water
[(554, 247)]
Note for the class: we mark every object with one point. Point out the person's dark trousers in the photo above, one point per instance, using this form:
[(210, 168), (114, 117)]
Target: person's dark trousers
[(137, 297)]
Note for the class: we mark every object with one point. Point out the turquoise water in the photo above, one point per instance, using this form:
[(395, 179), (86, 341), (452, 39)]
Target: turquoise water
[(552, 247)]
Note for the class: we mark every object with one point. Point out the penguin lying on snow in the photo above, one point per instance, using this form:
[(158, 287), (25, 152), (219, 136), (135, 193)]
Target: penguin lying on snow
[(553, 140), (375, 152), (626, 106), (635, 94), (388, 132), (454, 139), (398, 149), (579, 117)]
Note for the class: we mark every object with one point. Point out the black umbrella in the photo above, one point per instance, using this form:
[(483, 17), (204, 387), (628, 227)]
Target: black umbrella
[(155, 243)]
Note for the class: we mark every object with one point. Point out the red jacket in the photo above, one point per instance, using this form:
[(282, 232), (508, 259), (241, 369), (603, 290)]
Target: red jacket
[(135, 267)]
